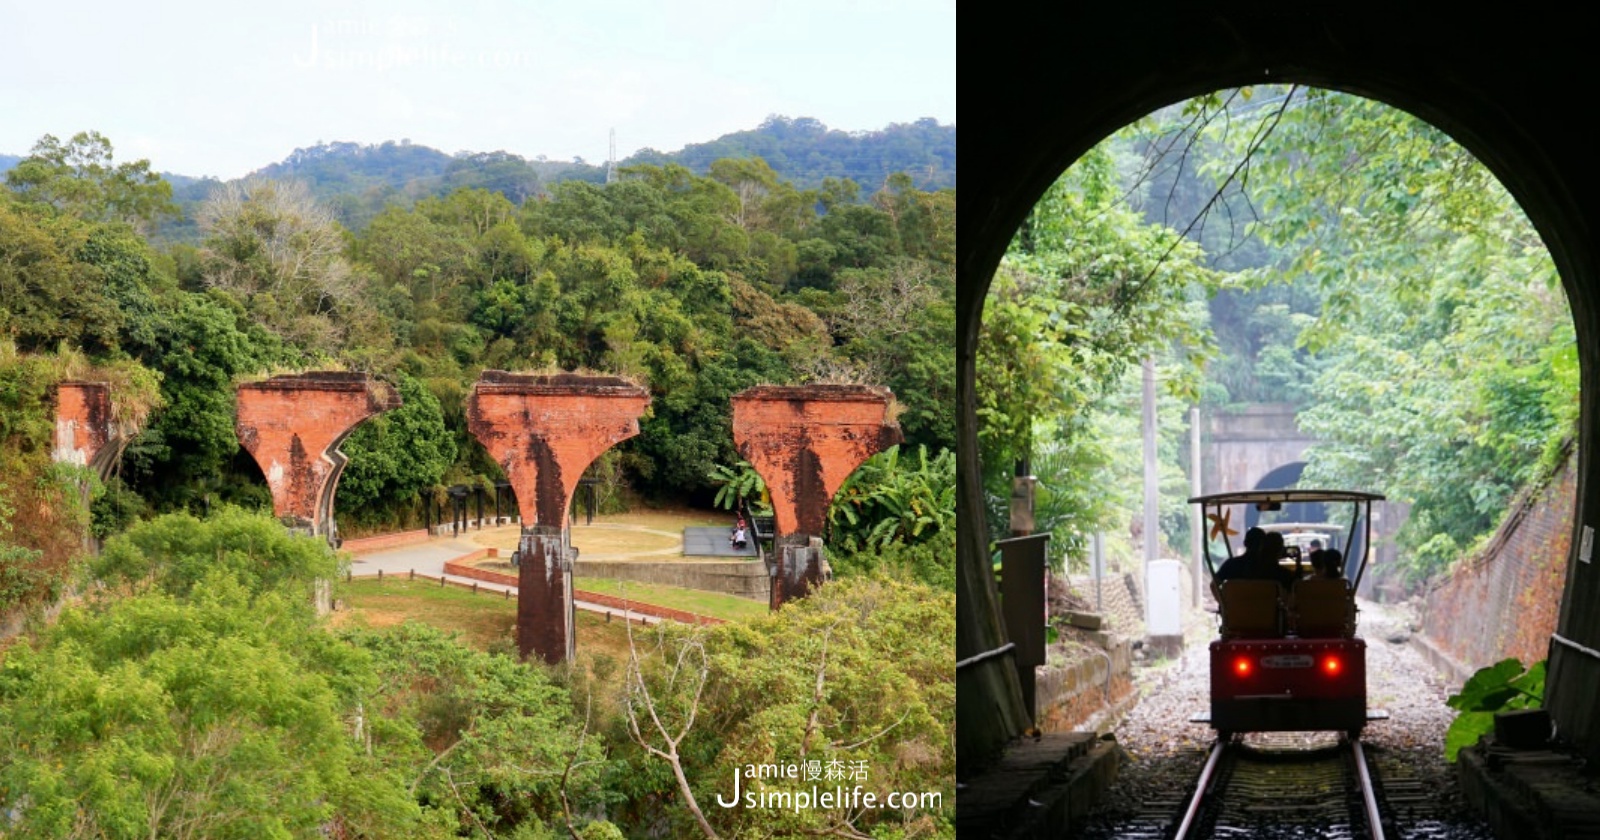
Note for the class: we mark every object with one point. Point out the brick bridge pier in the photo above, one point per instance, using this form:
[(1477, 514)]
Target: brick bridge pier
[(86, 433), (544, 431), (293, 425), (804, 442)]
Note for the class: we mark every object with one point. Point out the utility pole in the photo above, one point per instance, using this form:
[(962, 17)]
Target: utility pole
[(1196, 523), (1152, 477), (1163, 579)]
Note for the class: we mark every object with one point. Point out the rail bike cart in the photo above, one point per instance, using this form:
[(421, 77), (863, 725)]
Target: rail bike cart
[(1288, 658)]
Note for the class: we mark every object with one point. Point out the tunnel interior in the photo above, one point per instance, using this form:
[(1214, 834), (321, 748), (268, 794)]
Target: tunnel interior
[(1487, 83)]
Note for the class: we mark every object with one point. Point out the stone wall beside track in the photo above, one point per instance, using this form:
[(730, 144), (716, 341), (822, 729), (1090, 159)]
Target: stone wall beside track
[(1505, 600)]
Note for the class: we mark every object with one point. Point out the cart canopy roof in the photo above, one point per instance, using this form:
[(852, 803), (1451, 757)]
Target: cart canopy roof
[(1252, 497)]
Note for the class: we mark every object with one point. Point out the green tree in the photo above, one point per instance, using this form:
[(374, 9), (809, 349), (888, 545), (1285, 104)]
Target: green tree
[(889, 499), (187, 456), (397, 455), (80, 177), (1086, 290), (219, 716), (175, 552), (490, 741), (1443, 374), (850, 677)]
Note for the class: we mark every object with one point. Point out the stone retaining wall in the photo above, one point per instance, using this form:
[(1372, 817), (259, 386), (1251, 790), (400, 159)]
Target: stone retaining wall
[(1068, 693), (364, 545), (747, 579), (1122, 599), (1505, 601)]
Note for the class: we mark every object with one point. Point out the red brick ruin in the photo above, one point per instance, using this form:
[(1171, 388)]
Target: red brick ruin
[(804, 442), (293, 425), (544, 431), (86, 434)]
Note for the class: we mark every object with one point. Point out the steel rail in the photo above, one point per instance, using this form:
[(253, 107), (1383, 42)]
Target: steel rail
[(1575, 646), (1206, 773), (1369, 797)]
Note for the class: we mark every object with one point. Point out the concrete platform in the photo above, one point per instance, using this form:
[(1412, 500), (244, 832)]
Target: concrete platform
[(713, 542), (1543, 793), (743, 577), (1040, 788)]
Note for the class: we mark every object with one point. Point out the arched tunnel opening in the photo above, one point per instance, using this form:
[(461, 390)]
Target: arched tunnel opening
[(1019, 149), (1283, 478)]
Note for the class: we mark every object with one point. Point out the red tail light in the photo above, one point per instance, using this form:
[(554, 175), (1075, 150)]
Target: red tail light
[(1332, 666), (1242, 666)]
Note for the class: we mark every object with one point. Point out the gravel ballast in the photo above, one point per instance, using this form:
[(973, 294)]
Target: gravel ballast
[(1165, 751)]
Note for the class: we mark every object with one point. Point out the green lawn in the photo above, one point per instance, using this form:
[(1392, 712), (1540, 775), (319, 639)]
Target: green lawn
[(482, 619), (697, 601)]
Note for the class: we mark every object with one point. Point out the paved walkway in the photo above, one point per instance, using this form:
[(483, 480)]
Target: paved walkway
[(428, 558), (713, 542)]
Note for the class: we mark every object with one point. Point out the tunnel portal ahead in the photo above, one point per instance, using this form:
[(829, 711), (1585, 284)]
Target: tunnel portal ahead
[(1055, 84)]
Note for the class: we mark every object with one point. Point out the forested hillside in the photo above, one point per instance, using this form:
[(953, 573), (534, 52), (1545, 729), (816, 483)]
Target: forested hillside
[(695, 286), (805, 151), (357, 181)]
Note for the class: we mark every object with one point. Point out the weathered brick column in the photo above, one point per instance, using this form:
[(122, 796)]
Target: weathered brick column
[(544, 431), (293, 425), (805, 441), (86, 434)]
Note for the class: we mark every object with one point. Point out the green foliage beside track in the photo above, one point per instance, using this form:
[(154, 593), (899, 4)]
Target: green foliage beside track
[(1503, 686)]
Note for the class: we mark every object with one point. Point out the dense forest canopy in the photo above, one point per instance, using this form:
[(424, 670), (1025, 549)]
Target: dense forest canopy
[(697, 286), (1340, 256), (188, 688)]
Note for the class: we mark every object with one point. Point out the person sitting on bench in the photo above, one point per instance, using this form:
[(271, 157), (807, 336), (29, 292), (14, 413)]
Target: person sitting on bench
[(1262, 550), (1328, 563)]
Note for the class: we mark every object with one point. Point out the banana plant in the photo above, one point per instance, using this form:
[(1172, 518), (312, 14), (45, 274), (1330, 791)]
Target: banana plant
[(892, 500), (740, 481)]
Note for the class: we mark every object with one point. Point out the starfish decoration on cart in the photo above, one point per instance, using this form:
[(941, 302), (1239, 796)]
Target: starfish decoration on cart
[(1220, 524)]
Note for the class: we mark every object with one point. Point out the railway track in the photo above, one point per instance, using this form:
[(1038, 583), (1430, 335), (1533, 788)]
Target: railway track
[(1284, 787), (1269, 785)]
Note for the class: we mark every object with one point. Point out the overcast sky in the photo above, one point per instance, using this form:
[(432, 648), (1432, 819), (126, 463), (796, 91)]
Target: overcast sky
[(207, 88)]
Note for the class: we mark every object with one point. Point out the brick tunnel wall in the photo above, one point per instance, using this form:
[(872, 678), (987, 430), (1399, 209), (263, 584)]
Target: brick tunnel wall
[(1505, 600)]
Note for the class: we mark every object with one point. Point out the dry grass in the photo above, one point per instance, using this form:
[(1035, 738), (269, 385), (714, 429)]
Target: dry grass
[(481, 620), (608, 541), (646, 534)]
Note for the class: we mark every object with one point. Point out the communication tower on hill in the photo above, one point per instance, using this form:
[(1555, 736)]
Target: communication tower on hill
[(611, 162)]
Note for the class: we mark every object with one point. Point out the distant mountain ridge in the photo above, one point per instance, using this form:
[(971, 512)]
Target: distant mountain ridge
[(358, 180), (803, 151)]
